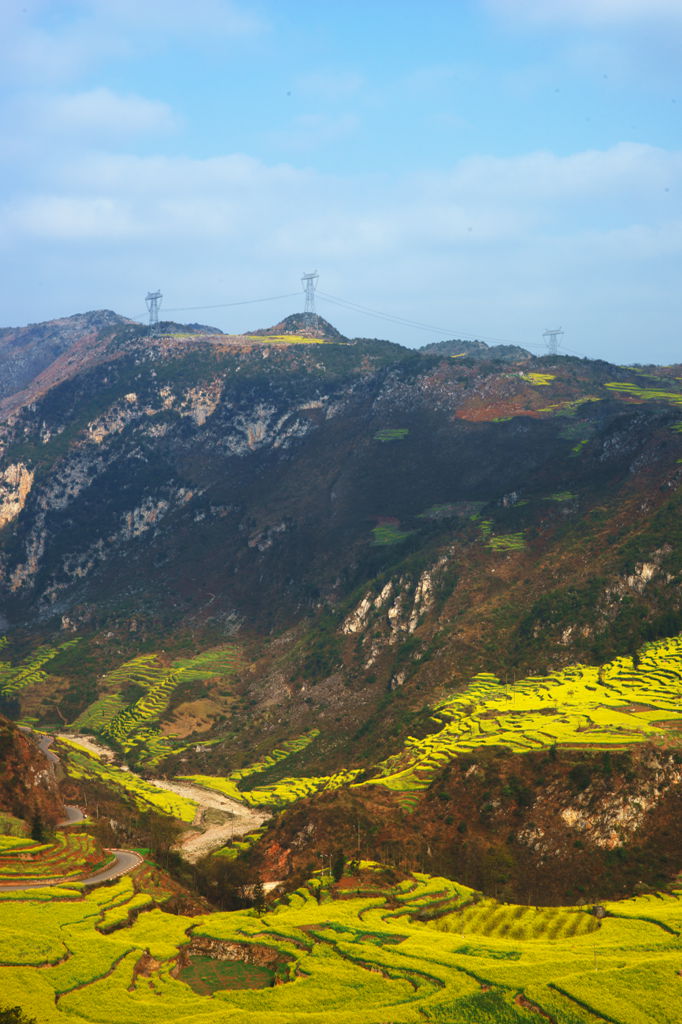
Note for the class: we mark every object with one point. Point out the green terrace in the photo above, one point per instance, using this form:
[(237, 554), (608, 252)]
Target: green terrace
[(644, 394), (614, 705), (133, 727), (83, 764), (391, 434), (366, 950), (240, 785), (28, 672), (70, 856), (388, 533)]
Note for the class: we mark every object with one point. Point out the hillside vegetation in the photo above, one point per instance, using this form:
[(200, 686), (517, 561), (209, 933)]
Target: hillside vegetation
[(396, 632)]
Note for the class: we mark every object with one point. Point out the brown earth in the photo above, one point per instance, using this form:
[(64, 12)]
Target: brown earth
[(540, 828), (28, 788)]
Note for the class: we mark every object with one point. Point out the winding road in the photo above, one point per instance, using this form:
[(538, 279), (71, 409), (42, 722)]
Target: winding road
[(125, 862)]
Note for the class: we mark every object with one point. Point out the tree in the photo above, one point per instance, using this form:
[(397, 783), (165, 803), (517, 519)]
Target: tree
[(15, 1015), (259, 897), (338, 864), (37, 828)]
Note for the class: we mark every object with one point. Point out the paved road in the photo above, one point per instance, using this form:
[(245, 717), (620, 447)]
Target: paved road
[(125, 861), (74, 815), (45, 742)]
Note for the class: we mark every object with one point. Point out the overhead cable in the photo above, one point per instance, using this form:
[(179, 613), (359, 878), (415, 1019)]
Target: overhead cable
[(418, 325), (225, 305)]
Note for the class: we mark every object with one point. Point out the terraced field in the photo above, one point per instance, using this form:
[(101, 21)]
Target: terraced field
[(281, 793), (134, 728), (28, 672), (608, 706), (645, 394), (285, 339), (582, 706), (391, 434), (361, 952), (70, 855), (83, 764)]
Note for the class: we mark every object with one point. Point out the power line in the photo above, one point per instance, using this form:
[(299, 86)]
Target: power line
[(225, 305), (366, 311), (404, 322)]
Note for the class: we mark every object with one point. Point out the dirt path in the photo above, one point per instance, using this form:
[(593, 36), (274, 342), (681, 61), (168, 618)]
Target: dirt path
[(95, 747), (194, 845)]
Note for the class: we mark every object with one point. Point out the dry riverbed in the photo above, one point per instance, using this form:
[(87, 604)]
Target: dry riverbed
[(239, 819)]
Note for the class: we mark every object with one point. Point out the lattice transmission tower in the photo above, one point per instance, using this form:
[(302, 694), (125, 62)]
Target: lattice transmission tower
[(153, 301), (309, 282), (552, 343)]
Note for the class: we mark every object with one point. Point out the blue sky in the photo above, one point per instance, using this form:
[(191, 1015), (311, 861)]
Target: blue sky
[(484, 168)]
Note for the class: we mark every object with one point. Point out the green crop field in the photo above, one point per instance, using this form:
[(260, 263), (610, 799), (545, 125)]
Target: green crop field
[(582, 706), (285, 339), (133, 728), (278, 794), (539, 379), (391, 434), (506, 542), (28, 672), (386, 533), (645, 394), (424, 949), (82, 764), (70, 855)]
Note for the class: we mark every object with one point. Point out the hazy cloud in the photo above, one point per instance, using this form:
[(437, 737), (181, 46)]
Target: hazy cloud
[(92, 31), (329, 85), (94, 115), (590, 12)]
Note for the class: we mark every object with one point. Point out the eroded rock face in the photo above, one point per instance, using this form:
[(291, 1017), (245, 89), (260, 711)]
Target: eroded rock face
[(381, 620), (240, 480), (619, 816), (15, 483)]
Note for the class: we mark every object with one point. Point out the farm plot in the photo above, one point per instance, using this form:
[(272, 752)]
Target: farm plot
[(423, 949), (645, 394), (69, 856), (613, 705), (133, 728), (278, 794), (28, 672), (82, 764)]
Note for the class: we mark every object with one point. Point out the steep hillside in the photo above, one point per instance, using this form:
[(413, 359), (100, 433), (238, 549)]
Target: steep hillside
[(28, 788), (280, 542), (35, 358), (410, 517)]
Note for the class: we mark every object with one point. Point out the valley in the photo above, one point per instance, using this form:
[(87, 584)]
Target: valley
[(364, 664)]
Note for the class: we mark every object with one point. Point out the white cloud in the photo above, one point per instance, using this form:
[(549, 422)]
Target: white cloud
[(617, 173), (491, 247), (309, 131), (70, 219), (590, 12), (37, 49), (97, 114), (178, 17)]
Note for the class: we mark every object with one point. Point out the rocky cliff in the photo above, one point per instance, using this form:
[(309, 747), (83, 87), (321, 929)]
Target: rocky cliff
[(28, 787)]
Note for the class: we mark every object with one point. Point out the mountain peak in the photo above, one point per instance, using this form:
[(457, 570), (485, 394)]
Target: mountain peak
[(307, 325), (476, 350)]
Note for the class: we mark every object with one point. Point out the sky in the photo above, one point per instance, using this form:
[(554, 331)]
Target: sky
[(453, 168)]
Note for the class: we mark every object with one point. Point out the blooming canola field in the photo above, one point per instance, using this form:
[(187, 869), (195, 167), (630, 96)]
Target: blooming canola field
[(362, 951)]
